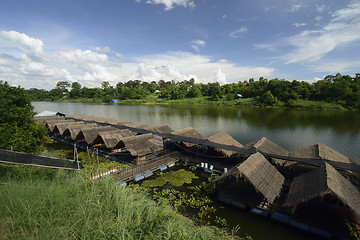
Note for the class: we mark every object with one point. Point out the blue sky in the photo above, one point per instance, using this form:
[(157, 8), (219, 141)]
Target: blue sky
[(91, 41)]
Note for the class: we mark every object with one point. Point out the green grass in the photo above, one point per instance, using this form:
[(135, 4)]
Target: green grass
[(71, 207), (153, 99), (314, 105)]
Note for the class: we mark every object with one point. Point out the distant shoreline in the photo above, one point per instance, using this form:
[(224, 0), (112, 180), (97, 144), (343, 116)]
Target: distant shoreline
[(247, 102)]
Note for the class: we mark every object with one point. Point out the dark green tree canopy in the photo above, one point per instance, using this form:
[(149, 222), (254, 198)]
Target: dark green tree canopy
[(18, 129)]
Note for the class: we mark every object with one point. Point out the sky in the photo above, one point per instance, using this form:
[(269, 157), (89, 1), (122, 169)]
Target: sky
[(92, 41)]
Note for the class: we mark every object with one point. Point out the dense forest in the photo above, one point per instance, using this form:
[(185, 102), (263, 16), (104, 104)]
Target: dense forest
[(343, 90)]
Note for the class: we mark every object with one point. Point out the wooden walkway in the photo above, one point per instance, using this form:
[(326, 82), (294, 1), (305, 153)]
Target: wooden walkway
[(148, 167), (8, 156)]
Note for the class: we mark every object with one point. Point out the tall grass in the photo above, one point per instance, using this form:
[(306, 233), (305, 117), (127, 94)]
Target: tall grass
[(71, 207)]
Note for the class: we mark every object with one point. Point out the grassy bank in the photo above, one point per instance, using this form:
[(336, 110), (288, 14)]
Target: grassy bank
[(152, 99), (64, 206)]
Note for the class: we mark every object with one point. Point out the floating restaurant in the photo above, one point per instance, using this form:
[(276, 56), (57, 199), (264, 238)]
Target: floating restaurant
[(315, 188)]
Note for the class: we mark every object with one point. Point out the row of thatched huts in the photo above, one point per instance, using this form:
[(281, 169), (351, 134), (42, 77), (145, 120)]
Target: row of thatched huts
[(255, 180), (89, 130)]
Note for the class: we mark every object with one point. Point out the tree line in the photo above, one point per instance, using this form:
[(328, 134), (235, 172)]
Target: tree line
[(339, 89)]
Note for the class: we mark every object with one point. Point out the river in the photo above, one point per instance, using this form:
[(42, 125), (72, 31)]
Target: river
[(291, 129)]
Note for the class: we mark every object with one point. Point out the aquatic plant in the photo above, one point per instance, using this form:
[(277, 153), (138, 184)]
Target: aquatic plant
[(174, 178)]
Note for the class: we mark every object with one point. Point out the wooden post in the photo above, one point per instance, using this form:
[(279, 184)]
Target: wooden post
[(76, 154), (97, 159), (88, 152)]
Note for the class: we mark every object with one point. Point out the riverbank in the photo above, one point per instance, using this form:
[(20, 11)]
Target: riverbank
[(248, 102)]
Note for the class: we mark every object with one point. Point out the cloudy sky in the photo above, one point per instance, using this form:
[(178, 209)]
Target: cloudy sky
[(91, 41)]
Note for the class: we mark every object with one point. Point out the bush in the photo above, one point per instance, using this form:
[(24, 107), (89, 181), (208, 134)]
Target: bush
[(18, 129)]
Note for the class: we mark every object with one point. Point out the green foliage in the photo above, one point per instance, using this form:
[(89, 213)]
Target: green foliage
[(340, 89), (174, 178), (71, 207), (18, 129)]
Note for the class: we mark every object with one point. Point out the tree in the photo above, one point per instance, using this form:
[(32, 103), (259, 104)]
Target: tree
[(76, 85), (63, 85), (19, 131), (105, 85)]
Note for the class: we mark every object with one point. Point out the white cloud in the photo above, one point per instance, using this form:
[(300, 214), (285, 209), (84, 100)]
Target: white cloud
[(220, 77), (107, 49), (196, 44), (342, 30), (170, 4), (318, 18), (320, 8), (295, 8), (33, 48), (299, 24), (237, 33), (311, 46), (91, 67)]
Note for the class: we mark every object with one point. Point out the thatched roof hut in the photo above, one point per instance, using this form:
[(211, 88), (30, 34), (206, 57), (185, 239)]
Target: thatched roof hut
[(267, 146), (320, 151), (111, 139), (50, 124), (61, 127), (139, 145), (226, 139), (188, 132), (324, 180), (265, 178), (73, 130), (160, 129), (90, 133)]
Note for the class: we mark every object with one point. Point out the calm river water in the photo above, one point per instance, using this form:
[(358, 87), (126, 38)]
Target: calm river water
[(291, 129)]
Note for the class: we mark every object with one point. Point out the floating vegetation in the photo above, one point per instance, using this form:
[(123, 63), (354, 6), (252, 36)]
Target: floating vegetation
[(174, 178)]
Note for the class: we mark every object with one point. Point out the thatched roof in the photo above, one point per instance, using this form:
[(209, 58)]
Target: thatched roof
[(160, 129), (46, 118), (320, 182), (90, 133), (226, 139), (73, 130), (50, 124), (61, 127), (320, 151), (188, 132), (81, 116), (263, 176), (137, 125), (267, 146), (139, 145), (111, 139)]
